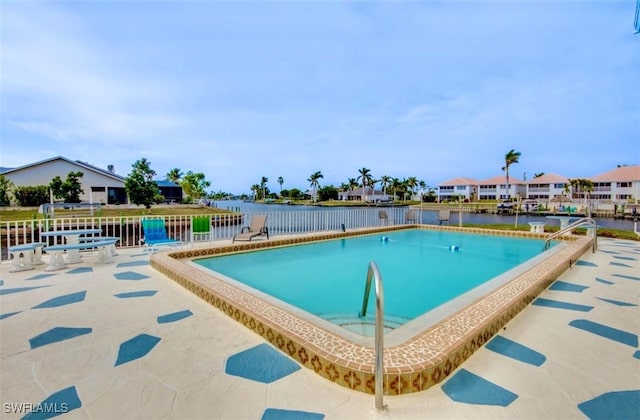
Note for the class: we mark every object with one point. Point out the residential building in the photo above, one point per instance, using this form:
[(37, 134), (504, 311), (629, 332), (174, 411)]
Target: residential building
[(496, 188), (370, 195), (467, 188), (98, 185), (547, 187), (618, 186)]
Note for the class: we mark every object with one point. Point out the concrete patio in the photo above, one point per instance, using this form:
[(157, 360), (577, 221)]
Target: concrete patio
[(123, 341)]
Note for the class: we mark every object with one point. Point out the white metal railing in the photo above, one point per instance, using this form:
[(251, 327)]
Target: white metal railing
[(569, 228), (224, 226), (373, 273)]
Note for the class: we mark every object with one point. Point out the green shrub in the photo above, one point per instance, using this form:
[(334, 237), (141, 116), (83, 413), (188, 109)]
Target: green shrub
[(31, 196)]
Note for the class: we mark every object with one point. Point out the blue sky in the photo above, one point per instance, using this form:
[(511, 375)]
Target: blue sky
[(238, 90)]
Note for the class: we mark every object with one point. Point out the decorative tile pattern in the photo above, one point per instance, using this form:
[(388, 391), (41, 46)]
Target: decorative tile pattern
[(8, 314), (41, 276), (130, 275), (261, 364), (80, 270), (135, 348), (58, 403), (624, 276), (469, 388), (173, 317), (57, 334), (133, 263), (567, 287), (509, 348), (62, 300), (549, 303), (412, 366), (612, 405), (598, 279), (277, 414), (616, 302), (19, 290), (141, 293), (606, 332)]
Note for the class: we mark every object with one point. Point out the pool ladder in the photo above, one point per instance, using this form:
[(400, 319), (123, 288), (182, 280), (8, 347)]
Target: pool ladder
[(374, 273), (577, 223)]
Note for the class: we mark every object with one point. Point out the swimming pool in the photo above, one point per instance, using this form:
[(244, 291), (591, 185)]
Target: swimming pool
[(422, 269), (430, 346)]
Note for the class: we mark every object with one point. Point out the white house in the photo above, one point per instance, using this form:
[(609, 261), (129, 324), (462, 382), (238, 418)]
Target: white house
[(496, 188), (99, 185), (467, 188), (547, 187), (370, 195), (618, 186)]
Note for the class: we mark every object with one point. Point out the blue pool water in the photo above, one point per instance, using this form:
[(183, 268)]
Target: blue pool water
[(419, 268)]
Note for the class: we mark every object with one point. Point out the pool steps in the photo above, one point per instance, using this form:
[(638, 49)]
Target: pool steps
[(364, 326)]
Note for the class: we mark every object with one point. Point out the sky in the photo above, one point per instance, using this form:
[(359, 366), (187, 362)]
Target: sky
[(240, 90)]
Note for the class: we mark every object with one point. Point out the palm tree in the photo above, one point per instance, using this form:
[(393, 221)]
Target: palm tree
[(365, 176), (585, 186), (385, 180), (280, 181), (423, 186), (255, 188), (412, 182), (510, 158), (395, 185), (174, 175), (315, 184), (263, 185), (353, 183)]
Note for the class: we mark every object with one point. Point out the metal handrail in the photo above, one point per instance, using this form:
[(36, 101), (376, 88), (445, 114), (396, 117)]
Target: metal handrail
[(569, 228), (374, 272)]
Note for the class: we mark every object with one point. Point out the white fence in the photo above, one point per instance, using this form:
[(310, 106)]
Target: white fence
[(224, 226)]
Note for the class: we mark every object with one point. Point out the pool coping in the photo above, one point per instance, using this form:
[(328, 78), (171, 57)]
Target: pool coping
[(411, 366)]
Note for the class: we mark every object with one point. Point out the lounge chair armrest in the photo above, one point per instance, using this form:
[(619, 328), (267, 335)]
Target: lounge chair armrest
[(245, 229)]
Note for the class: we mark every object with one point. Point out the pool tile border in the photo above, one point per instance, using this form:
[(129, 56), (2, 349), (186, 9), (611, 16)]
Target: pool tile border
[(412, 366)]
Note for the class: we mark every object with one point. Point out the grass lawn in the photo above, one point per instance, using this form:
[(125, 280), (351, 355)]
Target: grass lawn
[(602, 232), (31, 213)]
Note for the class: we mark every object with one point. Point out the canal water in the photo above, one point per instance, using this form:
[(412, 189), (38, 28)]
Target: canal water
[(428, 216)]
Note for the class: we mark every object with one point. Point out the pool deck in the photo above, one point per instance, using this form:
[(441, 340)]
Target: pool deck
[(121, 340)]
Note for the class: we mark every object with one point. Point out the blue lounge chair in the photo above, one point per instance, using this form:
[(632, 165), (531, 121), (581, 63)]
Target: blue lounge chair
[(155, 235)]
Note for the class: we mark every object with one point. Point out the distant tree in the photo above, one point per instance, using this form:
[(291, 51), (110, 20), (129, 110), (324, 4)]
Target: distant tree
[(581, 187), (509, 159), (395, 185), (31, 196), (5, 191), (412, 182), (293, 193), (385, 180), (353, 183), (68, 190), (328, 192), (263, 186), (365, 178), (194, 185), (140, 186), (255, 188), (280, 181), (314, 182), (174, 175)]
